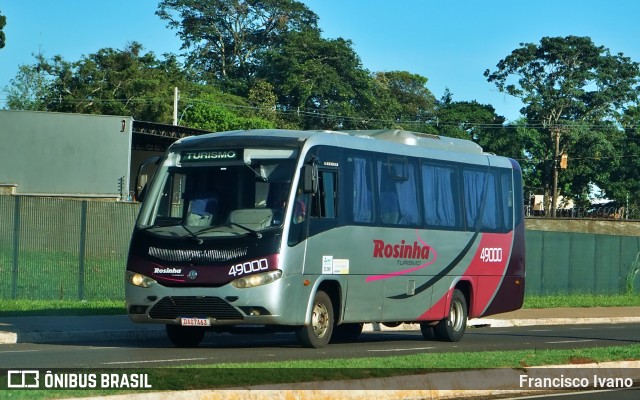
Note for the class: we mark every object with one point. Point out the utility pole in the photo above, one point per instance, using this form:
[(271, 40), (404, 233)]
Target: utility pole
[(176, 96), (556, 159)]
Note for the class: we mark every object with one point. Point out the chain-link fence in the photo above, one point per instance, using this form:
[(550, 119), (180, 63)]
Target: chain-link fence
[(69, 249), (63, 249), (600, 212)]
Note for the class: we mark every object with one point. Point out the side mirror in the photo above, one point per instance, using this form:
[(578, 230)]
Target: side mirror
[(310, 176), (143, 178)]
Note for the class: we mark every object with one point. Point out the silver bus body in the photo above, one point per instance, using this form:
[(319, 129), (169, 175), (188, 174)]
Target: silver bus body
[(322, 231)]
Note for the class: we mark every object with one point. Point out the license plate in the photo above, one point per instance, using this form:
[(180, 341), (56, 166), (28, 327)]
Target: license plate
[(195, 322)]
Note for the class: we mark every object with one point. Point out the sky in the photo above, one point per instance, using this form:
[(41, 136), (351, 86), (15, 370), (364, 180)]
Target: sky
[(451, 43)]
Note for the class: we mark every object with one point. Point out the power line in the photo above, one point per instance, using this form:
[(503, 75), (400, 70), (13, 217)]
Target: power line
[(433, 122)]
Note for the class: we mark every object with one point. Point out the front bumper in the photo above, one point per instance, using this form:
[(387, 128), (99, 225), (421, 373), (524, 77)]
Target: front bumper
[(270, 304)]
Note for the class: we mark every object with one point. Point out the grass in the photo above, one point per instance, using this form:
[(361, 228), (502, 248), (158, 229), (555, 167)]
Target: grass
[(228, 375), (582, 300), (18, 308), (25, 308)]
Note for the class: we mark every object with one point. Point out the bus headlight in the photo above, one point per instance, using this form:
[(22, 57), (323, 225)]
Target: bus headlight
[(257, 279), (139, 280)]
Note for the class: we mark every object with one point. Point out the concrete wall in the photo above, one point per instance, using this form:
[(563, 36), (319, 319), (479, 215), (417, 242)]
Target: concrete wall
[(596, 226), (57, 154), (568, 256)]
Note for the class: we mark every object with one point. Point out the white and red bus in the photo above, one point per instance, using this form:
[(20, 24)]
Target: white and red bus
[(322, 231)]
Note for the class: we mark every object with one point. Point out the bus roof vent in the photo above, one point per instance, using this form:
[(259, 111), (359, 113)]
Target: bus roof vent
[(421, 139)]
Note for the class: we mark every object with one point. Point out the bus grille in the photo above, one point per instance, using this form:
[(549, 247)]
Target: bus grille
[(190, 306), (199, 256)]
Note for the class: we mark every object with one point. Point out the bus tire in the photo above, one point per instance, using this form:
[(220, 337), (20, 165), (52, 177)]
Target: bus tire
[(451, 329), (318, 333), (427, 330), (346, 333), (185, 336)]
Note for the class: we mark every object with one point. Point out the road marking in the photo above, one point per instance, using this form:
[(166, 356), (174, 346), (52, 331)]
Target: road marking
[(18, 351), (154, 361), (405, 349), (571, 341)]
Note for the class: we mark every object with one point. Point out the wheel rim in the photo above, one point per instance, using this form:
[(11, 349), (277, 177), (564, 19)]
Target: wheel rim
[(320, 320), (456, 316)]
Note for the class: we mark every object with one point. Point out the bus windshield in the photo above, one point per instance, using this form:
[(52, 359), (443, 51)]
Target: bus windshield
[(242, 195)]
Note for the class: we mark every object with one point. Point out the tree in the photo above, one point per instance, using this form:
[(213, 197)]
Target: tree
[(263, 98), (225, 38), (320, 83), (3, 23), (30, 87), (110, 82), (210, 112), (624, 185), (562, 81), (404, 99), (468, 120)]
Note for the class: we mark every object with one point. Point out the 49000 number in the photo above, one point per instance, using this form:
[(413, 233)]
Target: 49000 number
[(491, 254), (249, 267)]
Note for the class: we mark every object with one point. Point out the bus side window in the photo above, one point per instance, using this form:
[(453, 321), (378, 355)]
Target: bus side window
[(325, 203), (439, 194), (482, 209), (362, 196), (398, 191)]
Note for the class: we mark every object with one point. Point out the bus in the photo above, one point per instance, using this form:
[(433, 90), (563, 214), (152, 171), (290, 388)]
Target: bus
[(320, 232)]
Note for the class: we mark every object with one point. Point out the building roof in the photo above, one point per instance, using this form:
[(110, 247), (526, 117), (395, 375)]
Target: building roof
[(158, 137)]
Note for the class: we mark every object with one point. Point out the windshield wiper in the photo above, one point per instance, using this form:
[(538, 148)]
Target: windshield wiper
[(192, 234), (251, 231)]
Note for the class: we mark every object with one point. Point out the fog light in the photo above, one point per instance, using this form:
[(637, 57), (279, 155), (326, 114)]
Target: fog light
[(254, 311), (137, 309)]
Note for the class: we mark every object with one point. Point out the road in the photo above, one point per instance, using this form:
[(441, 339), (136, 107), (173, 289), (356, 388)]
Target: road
[(256, 347)]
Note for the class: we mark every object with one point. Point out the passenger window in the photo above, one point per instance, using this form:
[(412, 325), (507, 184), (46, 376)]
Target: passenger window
[(481, 202), (362, 200), (439, 193), (398, 195), (326, 200), (506, 186)]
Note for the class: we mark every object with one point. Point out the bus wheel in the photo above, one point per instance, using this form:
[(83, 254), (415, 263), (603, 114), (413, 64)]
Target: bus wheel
[(451, 329), (427, 330), (319, 332), (346, 332), (185, 336)]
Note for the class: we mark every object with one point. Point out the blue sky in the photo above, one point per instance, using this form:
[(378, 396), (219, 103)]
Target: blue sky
[(449, 42)]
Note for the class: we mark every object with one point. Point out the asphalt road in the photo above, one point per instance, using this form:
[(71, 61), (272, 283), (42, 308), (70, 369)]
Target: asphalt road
[(256, 347)]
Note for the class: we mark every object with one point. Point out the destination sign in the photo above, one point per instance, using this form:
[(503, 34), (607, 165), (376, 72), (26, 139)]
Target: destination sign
[(190, 156)]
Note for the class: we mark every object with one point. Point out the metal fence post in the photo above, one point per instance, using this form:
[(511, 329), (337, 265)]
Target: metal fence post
[(16, 248), (83, 243)]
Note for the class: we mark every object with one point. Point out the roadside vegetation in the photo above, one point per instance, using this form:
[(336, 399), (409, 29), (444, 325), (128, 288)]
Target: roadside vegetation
[(220, 376)]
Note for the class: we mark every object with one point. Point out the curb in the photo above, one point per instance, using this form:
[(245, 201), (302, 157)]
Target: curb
[(504, 323), (507, 323), (60, 337), (439, 385)]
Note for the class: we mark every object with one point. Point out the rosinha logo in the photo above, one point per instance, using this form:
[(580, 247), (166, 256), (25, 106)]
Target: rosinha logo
[(400, 250)]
